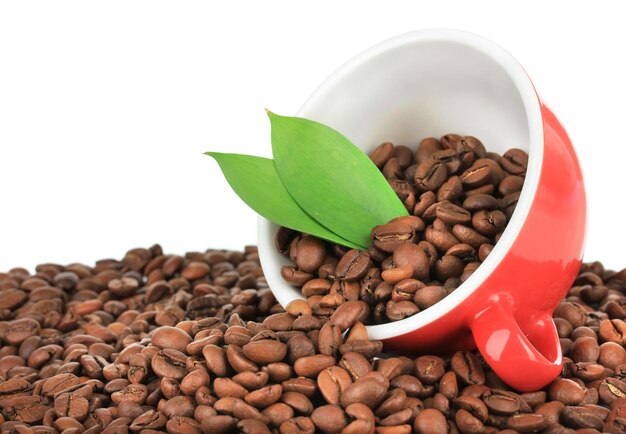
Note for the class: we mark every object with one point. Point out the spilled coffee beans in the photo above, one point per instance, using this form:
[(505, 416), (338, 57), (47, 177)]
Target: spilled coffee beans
[(197, 344)]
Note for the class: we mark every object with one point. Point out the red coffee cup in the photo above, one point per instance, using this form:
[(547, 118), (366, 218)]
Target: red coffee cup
[(430, 83)]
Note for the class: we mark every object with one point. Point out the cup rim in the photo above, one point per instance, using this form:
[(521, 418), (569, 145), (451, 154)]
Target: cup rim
[(532, 108)]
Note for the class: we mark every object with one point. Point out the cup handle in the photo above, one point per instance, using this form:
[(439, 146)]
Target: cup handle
[(521, 364)]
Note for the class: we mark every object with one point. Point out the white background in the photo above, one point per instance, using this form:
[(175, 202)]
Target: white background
[(106, 107)]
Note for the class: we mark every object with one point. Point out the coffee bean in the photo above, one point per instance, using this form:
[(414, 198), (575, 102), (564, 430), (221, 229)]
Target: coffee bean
[(526, 422), (149, 420), (429, 295), (613, 331), (468, 368), (295, 277), (581, 417), (366, 390), (611, 389), (349, 313), (278, 413), (367, 348), (299, 425), (515, 161), (265, 351), (352, 265), (489, 222), (329, 339), (332, 382), (430, 421), (169, 363), (219, 424), (20, 329), (612, 355), (430, 175), (28, 409), (443, 240), (469, 236), (566, 391), (264, 396), (585, 349), (71, 405), (397, 311), (429, 369), (391, 235), (482, 172), (311, 366), (452, 214), (329, 418), (412, 255), (382, 154), (426, 149), (448, 266)]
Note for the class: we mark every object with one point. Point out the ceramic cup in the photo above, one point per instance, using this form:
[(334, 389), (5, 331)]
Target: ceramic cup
[(433, 82)]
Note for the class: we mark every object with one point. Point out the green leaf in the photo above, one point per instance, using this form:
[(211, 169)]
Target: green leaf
[(331, 179), (256, 182)]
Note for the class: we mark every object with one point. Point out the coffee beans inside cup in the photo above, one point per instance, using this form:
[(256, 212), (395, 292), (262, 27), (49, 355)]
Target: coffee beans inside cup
[(460, 198)]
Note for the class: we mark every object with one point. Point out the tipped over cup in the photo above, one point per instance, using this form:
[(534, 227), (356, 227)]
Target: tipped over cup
[(428, 83)]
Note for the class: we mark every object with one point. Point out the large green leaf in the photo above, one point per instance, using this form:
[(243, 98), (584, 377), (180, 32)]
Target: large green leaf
[(331, 179), (256, 182)]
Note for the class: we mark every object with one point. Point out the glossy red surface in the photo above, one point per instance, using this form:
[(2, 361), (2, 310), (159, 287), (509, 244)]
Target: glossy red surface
[(509, 316)]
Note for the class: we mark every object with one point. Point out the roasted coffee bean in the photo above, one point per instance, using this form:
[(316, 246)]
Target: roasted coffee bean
[(430, 421), (515, 161), (171, 337), (452, 214), (613, 331), (367, 390), (311, 366), (612, 355), (355, 364), (430, 369), (265, 351), (170, 363), (611, 389), (412, 255), (442, 240), (382, 154), (397, 311), (353, 265), (308, 252), (427, 296), (366, 348), (391, 235), (219, 424), (468, 368), (331, 383), (489, 222), (329, 418), (526, 422), (581, 417), (566, 391), (349, 313), (469, 236), (585, 349), (430, 175)]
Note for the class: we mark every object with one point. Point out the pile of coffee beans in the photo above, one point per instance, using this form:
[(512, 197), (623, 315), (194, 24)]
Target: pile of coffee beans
[(460, 198), (197, 344)]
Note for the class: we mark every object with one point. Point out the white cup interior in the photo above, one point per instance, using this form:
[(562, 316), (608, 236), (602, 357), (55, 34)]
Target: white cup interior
[(422, 84)]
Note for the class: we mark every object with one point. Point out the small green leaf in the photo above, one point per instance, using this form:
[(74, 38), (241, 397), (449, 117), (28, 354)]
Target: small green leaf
[(256, 182), (331, 179)]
